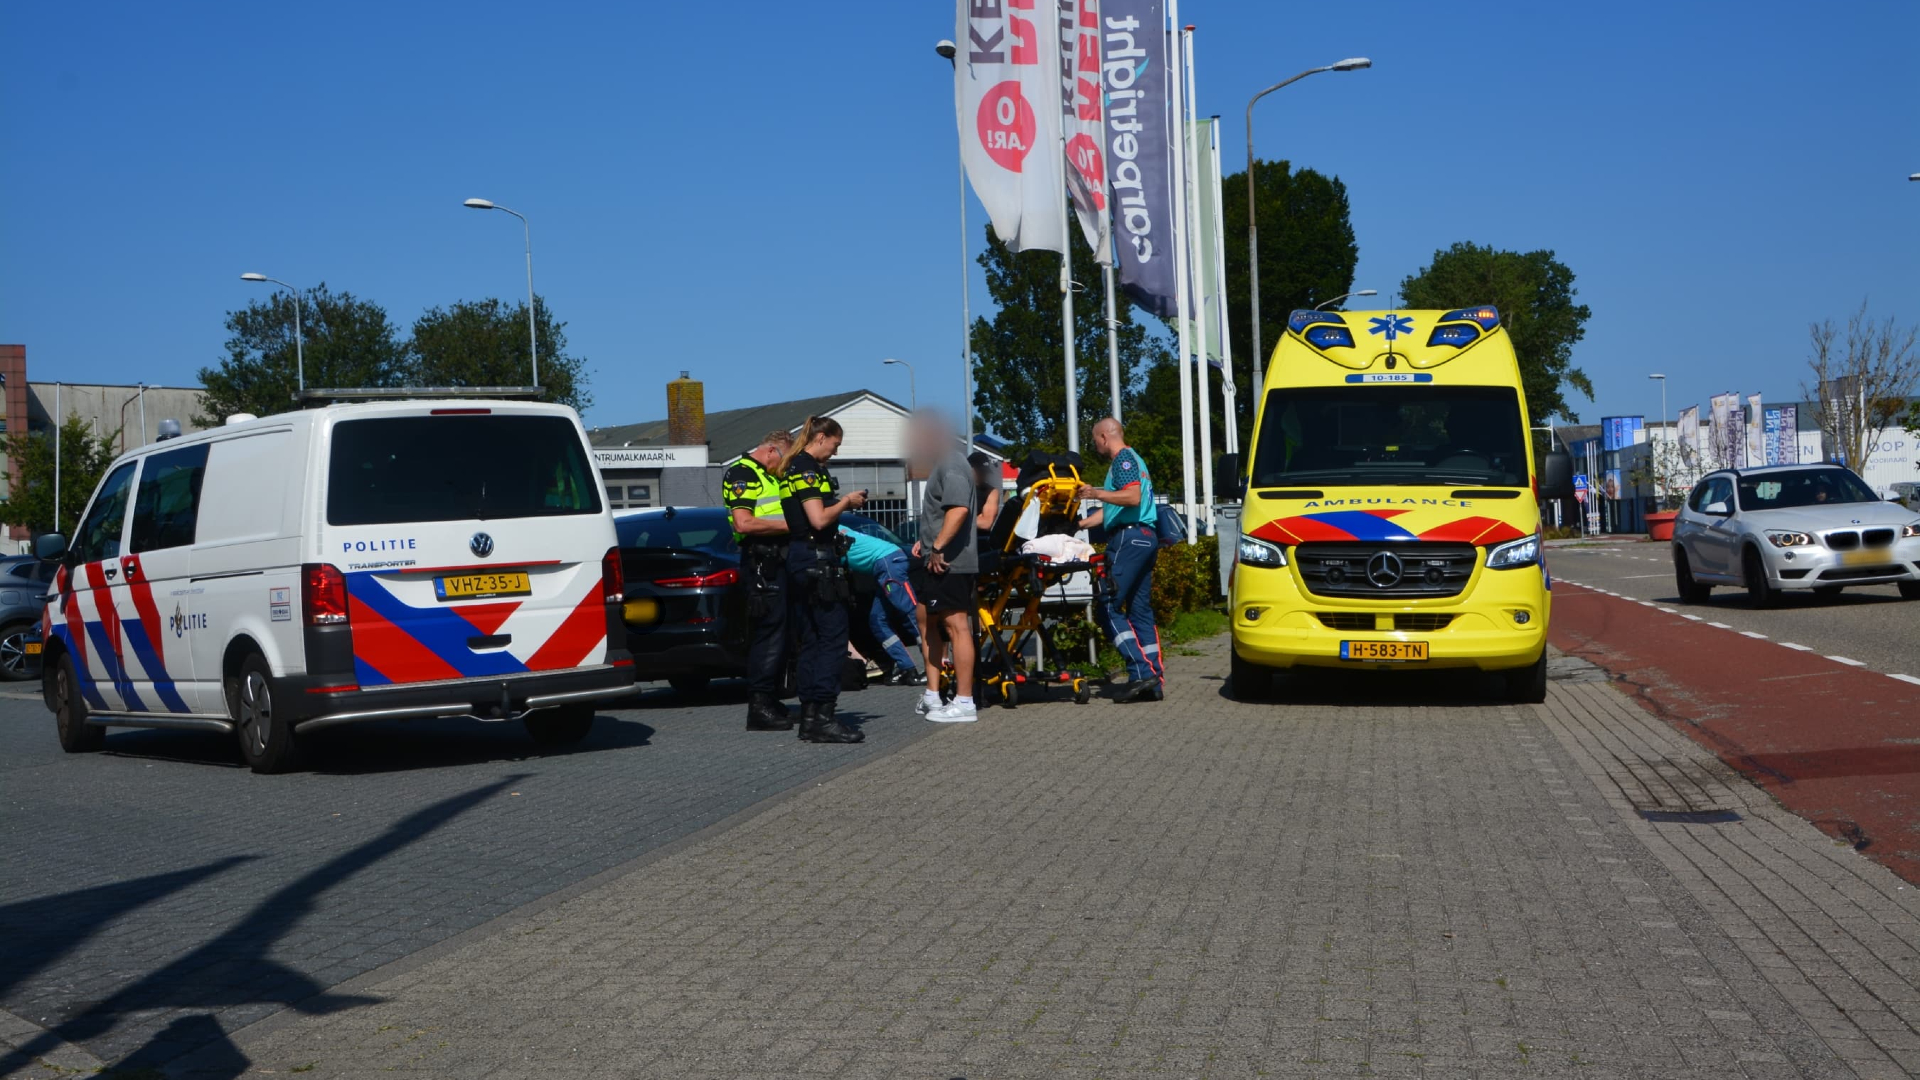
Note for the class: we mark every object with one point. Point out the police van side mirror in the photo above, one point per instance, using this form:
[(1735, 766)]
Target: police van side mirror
[(1227, 475), (1556, 475), (50, 547)]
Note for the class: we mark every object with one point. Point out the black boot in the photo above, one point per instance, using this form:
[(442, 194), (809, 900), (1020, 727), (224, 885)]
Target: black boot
[(780, 708), (763, 716), (1147, 689), (809, 716), (826, 729)]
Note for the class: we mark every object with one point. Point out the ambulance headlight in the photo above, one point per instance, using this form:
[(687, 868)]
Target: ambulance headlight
[(1260, 553), (1514, 553)]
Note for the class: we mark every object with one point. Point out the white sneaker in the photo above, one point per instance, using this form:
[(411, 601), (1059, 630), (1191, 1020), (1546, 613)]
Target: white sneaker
[(955, 713), (925, 706)]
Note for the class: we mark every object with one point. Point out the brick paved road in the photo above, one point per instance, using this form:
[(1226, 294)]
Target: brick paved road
[(1361, 885), (158, 893)]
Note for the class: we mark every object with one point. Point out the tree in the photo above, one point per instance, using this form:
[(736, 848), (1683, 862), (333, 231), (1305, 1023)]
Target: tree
[(83, 460), (1862, 378), (484, 343), (1307, 256), (1534, 292), (348, 342), (1020, 386)]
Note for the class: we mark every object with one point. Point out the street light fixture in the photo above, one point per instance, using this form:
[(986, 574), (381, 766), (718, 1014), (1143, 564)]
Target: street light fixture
[(1323, 305), (533, 337), (299, 334), (1913, 176), (1354, 63), (948, 52), (913, 396)]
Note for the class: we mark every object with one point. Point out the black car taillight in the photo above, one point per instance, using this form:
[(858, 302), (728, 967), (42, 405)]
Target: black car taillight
[(613, 579), (323, 594), (729, 576)]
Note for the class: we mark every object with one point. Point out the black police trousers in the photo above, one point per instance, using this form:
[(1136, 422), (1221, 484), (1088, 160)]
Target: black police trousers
[(769, 593), (819, 617)]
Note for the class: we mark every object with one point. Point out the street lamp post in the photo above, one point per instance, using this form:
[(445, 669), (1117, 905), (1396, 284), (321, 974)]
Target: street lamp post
[(1253, 229), (533, 337), (946, 49), (299, 335), (1324, 304), (913, 396)]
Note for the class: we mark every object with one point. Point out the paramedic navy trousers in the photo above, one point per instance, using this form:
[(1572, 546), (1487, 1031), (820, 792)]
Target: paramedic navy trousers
[(820, 620), (768, 593), (891, 616), (1127, 610)]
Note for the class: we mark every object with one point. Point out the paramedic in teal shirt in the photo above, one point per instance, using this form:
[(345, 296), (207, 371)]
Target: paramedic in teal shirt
[(1129, 517), (890, 615)]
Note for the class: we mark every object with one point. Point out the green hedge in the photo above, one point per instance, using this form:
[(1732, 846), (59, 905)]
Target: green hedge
[(1186, 577)]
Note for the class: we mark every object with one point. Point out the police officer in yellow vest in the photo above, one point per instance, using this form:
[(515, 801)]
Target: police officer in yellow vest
[(752, 492)]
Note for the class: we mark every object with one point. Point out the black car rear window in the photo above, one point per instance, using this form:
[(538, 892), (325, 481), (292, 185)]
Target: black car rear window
[(392, 469), (707, 531)]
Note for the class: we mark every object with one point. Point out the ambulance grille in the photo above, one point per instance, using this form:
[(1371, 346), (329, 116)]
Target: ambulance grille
[(1425, 569)]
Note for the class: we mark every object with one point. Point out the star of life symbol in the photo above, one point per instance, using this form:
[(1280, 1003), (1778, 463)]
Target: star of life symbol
[(1391, 325)]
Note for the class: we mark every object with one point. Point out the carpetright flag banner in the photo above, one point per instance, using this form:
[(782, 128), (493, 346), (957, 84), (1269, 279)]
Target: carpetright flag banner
[(1007, 95), (1208, 289), (1133, 58), (1082, 110)]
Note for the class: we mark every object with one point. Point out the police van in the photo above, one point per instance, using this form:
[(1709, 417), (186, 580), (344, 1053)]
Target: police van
[(379, 555)]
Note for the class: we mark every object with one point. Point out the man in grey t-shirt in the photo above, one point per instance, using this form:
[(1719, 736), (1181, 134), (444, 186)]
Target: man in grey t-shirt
[(946, 558)]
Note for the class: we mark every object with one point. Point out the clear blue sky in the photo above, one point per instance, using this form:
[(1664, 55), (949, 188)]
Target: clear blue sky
[(734, 188)]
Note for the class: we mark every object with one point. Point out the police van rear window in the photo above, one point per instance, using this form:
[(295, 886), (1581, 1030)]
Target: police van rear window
[(388, 470)]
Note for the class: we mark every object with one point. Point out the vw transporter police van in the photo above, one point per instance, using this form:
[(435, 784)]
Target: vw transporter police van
[(431, 555)]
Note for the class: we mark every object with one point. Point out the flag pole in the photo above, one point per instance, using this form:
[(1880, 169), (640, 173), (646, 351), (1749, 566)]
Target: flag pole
[(1182, 287), (1066, 324), (1113, 337), (1229, 399), (1204, 399)]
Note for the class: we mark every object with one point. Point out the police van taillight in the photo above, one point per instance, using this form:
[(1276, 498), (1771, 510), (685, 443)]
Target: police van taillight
[(323, 594), (613, 578)]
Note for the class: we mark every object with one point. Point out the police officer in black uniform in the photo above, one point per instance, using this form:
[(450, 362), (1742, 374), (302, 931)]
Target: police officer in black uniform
[(821, 586), (752, 492)]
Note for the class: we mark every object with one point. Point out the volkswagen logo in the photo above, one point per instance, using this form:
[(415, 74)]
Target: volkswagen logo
[(1384, 569), (482, 546)]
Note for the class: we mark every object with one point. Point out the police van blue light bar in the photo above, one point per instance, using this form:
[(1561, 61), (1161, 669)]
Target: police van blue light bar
[(1329, 337), (1486, 315), (1300, 320)]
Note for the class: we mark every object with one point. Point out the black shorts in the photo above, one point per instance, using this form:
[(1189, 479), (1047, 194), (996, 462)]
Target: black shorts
[(943, 594)]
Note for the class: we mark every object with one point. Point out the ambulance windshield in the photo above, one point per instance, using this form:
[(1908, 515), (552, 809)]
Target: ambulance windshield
[(1370, 433), (393, 469)]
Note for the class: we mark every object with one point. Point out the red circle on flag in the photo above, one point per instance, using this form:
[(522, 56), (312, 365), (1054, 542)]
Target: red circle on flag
[(1006, 125)]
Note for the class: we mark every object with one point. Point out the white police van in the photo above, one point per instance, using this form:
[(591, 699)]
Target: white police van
[(377, 556)]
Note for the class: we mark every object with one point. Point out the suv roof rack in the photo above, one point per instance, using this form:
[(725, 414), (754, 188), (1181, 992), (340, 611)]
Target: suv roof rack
[(313, 397)]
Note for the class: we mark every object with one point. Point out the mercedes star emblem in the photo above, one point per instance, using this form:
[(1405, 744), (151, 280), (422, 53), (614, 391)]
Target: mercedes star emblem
[(1384, 569)]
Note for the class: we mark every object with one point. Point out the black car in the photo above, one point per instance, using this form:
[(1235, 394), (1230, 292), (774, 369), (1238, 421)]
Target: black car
[(686, 607), (23, 594)]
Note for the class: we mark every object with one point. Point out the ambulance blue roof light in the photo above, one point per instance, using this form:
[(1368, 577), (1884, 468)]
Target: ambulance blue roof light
[(1303, 318), (1486, 315)]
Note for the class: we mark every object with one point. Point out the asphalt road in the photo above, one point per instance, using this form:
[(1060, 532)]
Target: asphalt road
[(1870, 625), (158, 893)]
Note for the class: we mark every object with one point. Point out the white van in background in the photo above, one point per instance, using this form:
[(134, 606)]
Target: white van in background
[(438, 555)]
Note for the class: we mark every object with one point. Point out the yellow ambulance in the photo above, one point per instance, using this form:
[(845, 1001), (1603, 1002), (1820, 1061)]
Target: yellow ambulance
[(1391, 518)]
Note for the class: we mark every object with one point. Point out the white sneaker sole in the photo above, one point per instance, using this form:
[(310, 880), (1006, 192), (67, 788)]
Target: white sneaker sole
[(951, 719)]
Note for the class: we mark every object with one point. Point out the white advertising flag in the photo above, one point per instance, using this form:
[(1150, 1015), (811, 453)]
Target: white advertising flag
[(1007, 97), (1083, 121)]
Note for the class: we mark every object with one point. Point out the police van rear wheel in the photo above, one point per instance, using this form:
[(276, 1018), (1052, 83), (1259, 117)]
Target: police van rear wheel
[(1251, 682), (563, 726), (70, 710), (266, 739)]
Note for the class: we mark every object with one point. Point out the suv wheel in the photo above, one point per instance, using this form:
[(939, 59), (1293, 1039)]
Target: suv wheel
[(1690, 590), (1760, 591), (266, 739), (70, 710), (1910, 590), (15, 663)]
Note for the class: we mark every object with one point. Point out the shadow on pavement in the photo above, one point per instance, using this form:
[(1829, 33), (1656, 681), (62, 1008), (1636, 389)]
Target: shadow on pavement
[(39, 932), (1430, 689), (234, 967), (384, 746)]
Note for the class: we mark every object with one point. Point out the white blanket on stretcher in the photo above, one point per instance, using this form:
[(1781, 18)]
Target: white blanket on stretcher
[(1059, 548)]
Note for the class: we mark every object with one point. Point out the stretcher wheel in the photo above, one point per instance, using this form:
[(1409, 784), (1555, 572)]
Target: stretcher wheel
[(1082, 693), (1010, 691), (949, 686)]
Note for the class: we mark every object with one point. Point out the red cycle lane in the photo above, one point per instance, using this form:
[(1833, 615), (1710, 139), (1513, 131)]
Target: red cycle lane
[(1838, 745)]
